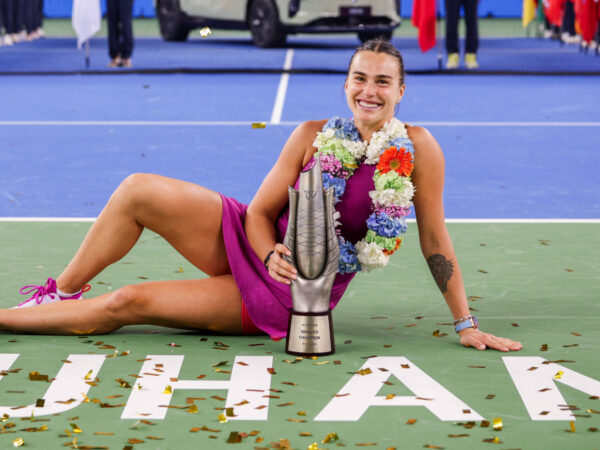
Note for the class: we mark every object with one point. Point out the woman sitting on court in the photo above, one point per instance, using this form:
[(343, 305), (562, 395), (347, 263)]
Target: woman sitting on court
[(379, 168)]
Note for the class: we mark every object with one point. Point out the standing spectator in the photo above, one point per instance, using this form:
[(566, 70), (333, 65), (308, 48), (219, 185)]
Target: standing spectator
[(120, 33), (5, 38), (452, 17)]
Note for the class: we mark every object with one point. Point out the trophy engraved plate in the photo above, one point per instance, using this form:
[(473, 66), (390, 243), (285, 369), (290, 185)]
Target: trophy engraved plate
[(313, 242)]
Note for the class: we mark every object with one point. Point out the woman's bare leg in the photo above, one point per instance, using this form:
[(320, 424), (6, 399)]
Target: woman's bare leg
[(209, 303), (187, 215)]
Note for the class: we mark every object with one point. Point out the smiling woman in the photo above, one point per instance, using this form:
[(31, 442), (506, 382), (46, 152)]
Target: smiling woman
[(379, 168)]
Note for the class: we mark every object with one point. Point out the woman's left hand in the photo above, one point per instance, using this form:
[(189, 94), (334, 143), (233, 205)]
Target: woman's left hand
[(472, 337)]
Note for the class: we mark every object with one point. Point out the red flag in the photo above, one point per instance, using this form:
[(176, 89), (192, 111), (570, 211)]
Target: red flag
[(586, 12), (423, 17), (553, 10)]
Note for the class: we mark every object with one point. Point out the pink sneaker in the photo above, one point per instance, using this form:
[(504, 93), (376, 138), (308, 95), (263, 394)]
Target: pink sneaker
[(48, 293)]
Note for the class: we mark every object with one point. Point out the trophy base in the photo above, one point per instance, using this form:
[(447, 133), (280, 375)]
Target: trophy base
[(310, 334)]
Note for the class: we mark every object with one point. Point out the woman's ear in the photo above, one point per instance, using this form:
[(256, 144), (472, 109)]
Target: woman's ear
[(400, 93)]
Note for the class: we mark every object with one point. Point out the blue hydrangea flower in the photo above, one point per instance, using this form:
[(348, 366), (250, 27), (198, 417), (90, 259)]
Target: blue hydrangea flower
[(386, 226), (403, 142), (348, 262), (344, 128), (338, 184)]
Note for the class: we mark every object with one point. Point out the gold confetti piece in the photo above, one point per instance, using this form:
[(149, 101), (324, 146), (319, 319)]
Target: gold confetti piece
[(423, 398), (544, 390), (193, 409), (290, 383), (410, 325), (125, 353), (373, 444), (484, 424), (4, 417), (543, 413), (76, 429), (124, 384), (379, 317), (271, 371), (155, 438), (497, 424), (18, 442), (390, 396), (102, 433), (477, 367), (458, 435), (593, 397), (135, 441), (320, 363), (490, 396), (301, 413), (572, 427), (180, 270), (593, 411), (411, 421), (296, 420), (36, 376), (256, 125), (305, 433), (571, 345), (313, 446), (437, 333), (387, 345), (516, 325), (330, 437), (222, 363), (569, 270), (204, 32), (222, 418), (574, 333), (544, 348), (286, 404), (593, 429), (493, 441), (229, 412), (466, 411), (433, 446), (234, 438), (482, 271), (532, 368), (558, 375), (40, 402), (365, 371), (34, 429), (168, 390)]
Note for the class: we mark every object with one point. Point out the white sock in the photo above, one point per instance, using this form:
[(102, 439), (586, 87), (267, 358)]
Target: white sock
[(65, 294)]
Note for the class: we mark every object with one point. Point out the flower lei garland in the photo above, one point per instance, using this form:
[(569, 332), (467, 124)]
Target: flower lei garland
[(340, 152)]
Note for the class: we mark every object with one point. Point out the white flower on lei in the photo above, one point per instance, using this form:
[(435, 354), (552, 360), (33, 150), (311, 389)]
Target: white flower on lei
[(389, 197), (323, 137), (356, 148), (381, 139), (370, 255)]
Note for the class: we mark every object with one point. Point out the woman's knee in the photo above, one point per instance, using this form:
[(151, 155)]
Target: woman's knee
[(124, 305), (137, 188)]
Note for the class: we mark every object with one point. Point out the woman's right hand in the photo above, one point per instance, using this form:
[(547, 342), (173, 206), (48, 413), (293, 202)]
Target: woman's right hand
[(279, 268)]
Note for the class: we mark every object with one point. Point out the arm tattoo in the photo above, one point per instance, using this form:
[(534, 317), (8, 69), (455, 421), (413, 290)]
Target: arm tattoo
[(441, 269)]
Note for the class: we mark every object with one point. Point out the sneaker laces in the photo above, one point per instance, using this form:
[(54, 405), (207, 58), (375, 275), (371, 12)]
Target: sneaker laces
[(41, 291), (38, 291)]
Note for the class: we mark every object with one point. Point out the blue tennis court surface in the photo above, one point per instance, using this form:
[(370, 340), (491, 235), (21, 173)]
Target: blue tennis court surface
[(515, 147)]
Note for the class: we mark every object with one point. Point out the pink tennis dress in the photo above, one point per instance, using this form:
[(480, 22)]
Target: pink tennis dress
[(267, 301)]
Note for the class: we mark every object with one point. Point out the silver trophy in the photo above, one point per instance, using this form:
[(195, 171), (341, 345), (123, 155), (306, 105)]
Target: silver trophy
[(314, 246)]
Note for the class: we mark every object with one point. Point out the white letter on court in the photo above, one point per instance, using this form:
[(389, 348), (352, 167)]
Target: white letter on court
[(250, 381), (70, 383), (538, 391), (361, 392)]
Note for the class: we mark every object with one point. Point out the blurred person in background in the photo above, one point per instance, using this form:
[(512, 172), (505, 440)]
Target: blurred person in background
[(120, 32), (472, 38)]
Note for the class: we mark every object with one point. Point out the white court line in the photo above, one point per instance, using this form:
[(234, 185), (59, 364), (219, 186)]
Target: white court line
[(282, 89), (502, 221), (201, 123)]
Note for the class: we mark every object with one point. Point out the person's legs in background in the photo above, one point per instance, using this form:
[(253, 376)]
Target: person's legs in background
[(452, 15), (472, 43), (112, 17), (125, 19)]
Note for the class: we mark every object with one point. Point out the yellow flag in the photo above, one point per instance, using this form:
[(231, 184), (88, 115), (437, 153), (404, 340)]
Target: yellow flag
[(528, 12)]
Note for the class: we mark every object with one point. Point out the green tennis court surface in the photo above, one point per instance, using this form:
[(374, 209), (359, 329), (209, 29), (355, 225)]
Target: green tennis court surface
[(537, 283)]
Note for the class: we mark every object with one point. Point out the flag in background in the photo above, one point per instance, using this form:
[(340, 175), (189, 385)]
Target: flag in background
[(554, 9), (586, 13), (423, 17), (86, 19), (529, 10)]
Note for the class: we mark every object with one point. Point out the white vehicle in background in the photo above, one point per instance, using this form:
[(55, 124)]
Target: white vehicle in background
[(270, 21)]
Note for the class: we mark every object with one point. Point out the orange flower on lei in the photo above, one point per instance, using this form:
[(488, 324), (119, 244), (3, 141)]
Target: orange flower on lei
[(399, 161)]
